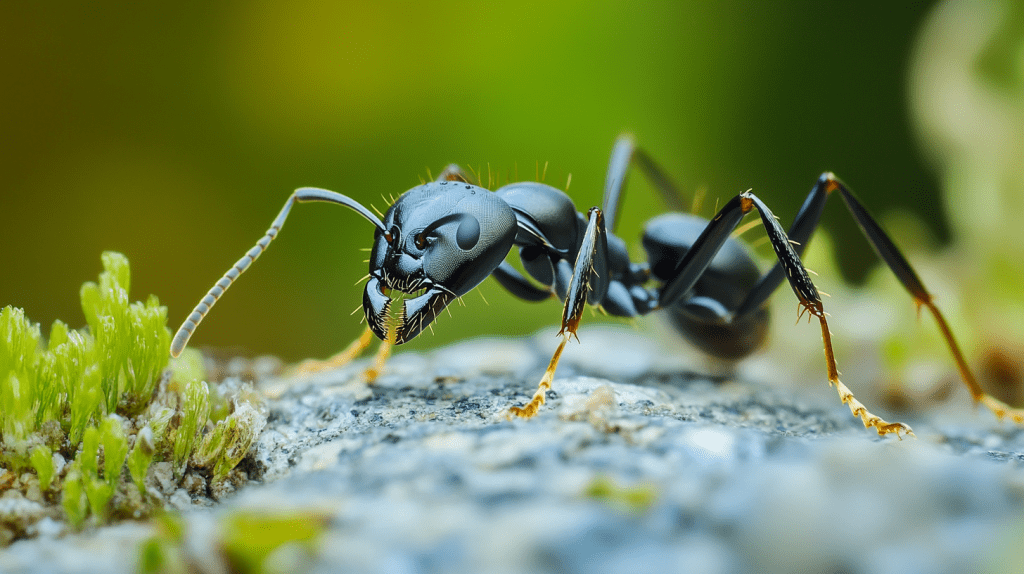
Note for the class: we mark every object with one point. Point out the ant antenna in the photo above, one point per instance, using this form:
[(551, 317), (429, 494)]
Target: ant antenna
[(301, 195)]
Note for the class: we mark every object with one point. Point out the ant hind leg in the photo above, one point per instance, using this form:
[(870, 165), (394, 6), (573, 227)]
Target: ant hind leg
[(896, 262)]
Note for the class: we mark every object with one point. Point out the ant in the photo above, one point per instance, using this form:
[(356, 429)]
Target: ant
[(441, 239)]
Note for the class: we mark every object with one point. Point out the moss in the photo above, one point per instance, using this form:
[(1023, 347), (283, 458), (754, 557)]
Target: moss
[(42, 462), (141, 457), (106, 398), (635, 499), (224, 447), (251, 539), (247, 542), (195, 410), (163, 553)]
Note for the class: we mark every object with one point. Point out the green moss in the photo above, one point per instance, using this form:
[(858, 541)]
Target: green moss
[(42, 462), (194, 413), (131, 339), (632, 499), (103, 398), (73, 500), (224, 447), (247, 543), (250, 538), (163, 553), (115, 448), (141, 457)]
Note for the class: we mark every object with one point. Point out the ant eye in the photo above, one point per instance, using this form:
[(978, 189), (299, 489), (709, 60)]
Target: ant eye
[(388, 237), (421, 241)]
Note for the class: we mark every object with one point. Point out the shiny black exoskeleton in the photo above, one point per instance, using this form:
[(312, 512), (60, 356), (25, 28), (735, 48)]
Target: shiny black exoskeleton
[(443, 238)]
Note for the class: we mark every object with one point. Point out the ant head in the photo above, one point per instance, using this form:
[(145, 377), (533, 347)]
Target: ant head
[(438, 242)]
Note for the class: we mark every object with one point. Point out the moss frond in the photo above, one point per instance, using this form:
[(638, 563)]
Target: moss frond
[(104, 398)]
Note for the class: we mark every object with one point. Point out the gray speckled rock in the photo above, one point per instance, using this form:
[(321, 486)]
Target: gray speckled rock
[(423, 473)]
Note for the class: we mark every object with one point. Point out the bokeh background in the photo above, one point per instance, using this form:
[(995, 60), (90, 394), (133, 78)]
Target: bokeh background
[(175, 133)]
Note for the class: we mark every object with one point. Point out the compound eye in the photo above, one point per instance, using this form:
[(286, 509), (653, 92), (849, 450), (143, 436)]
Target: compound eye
[(421, 241), (468, 233), (391, 236)]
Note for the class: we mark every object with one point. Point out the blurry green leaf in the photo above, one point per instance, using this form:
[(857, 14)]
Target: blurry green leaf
[(250, 537)]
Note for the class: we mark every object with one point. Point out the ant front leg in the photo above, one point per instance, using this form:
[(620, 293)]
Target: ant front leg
[(356, 348), (711, 240), (310, 366), (585, 283)]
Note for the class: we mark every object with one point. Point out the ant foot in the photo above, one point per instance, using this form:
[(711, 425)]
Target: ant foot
[(859, 410)]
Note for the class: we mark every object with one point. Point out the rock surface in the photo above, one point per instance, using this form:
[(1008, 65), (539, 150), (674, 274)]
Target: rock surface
[(635, 464)]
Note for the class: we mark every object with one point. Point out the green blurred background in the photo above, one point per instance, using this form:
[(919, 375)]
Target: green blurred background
[(175, 134)]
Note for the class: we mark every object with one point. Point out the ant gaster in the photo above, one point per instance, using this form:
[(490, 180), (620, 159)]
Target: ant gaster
[(441, 239)]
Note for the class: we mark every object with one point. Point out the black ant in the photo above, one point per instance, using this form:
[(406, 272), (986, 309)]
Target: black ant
[(443, 238)]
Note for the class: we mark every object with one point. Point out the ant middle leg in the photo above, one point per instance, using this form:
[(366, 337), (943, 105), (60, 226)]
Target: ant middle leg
[(697, 259)]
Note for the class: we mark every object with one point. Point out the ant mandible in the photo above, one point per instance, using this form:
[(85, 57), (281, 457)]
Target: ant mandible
[(441, 239)]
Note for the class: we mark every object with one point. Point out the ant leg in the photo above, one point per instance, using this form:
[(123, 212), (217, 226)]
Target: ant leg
[(515, 283), (803, 226), (885, 249), (581, 287), (624, 153), (310, 366), (383, 352), (708, 244)]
